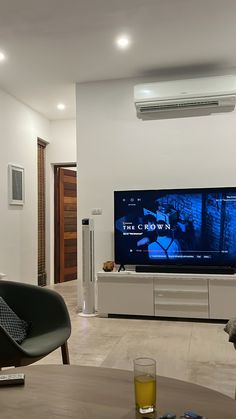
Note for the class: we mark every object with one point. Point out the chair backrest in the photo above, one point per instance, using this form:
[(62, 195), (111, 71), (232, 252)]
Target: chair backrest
[(32, 303)]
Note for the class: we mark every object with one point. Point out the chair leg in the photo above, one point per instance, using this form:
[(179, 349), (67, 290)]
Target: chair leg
[(65, 353)]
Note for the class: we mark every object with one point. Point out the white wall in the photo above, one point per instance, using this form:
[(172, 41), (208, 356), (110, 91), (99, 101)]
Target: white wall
[(19, 127), (62, 149), (117, 151)]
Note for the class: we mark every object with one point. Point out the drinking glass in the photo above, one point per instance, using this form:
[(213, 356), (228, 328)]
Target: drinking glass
[(145, 384)]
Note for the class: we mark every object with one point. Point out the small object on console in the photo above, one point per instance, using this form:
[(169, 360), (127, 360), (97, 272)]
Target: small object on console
[(108, 266)]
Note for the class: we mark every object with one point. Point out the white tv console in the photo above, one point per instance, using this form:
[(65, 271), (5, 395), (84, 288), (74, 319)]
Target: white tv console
[(167, 294)]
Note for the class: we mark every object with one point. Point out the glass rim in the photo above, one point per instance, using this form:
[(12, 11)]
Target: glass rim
[(144, 361)]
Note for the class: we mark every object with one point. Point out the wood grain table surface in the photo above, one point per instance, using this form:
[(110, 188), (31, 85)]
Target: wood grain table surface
[(62, 391)]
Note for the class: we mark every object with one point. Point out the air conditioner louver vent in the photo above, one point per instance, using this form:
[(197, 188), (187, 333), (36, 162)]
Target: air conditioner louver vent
[(177, 106), (185, 97)]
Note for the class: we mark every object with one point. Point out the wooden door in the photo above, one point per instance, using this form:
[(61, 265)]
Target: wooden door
[(65, 225)]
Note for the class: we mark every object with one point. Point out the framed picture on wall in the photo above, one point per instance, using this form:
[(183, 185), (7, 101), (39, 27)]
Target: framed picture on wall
[(16, 184)]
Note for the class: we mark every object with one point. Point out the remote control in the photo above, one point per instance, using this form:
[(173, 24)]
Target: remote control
[(11, 379), (189, 414)]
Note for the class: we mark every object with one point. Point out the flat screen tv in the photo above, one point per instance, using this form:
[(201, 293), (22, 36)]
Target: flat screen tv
[(176, 227)]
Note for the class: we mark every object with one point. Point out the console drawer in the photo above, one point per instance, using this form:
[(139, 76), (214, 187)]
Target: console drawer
[(181, 283), (181, 296), (182, 310)]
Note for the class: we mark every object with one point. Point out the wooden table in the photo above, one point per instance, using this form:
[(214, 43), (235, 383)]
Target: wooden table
[(53, 391)]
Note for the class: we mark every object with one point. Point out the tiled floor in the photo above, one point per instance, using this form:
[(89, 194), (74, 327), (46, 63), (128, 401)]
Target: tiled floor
[(191, 351)]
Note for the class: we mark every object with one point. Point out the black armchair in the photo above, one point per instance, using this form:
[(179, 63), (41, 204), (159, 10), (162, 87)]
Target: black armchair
[(50, 324)]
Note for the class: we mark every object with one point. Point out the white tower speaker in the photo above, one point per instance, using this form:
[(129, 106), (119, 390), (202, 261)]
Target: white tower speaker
[(88, 272)]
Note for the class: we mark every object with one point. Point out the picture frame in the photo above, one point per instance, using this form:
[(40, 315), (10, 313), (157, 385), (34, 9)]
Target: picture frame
[(16, 184)]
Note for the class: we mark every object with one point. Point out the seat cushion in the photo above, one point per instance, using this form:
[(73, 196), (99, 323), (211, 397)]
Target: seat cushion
[(45, 343), (13, 325)]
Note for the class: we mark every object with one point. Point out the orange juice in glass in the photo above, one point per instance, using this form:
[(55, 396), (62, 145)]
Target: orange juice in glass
[(145, 384)]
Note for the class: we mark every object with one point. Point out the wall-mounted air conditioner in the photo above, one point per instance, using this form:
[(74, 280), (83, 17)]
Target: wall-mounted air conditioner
[(187, 97)]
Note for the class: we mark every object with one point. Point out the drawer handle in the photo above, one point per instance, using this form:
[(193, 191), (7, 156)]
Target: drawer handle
[(160, 295)]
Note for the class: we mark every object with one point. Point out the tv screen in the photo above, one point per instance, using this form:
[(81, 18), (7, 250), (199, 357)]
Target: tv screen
[(181, 226)]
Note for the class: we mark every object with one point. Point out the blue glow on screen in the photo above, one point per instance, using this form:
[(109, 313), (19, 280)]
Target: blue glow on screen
[(195, 227)]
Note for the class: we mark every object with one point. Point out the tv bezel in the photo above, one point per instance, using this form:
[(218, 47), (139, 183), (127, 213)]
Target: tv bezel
[(170, 262)]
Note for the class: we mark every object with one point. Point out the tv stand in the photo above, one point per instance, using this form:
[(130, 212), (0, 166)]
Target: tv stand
[(165, 294), (215, 270), (121, 268)]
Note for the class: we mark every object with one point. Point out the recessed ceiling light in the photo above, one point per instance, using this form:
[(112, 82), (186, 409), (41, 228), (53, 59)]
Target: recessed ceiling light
[(2, 56), (123, 42), (61, 106)]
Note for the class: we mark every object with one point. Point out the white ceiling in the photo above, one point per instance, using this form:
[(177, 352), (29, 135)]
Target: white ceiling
[(51, 44)]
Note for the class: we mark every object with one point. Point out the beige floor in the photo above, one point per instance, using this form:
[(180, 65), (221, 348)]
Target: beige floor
[(195, 352)]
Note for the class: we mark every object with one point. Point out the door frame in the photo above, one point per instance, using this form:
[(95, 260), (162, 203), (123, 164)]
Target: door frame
[(41, 212), (56, 225)]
